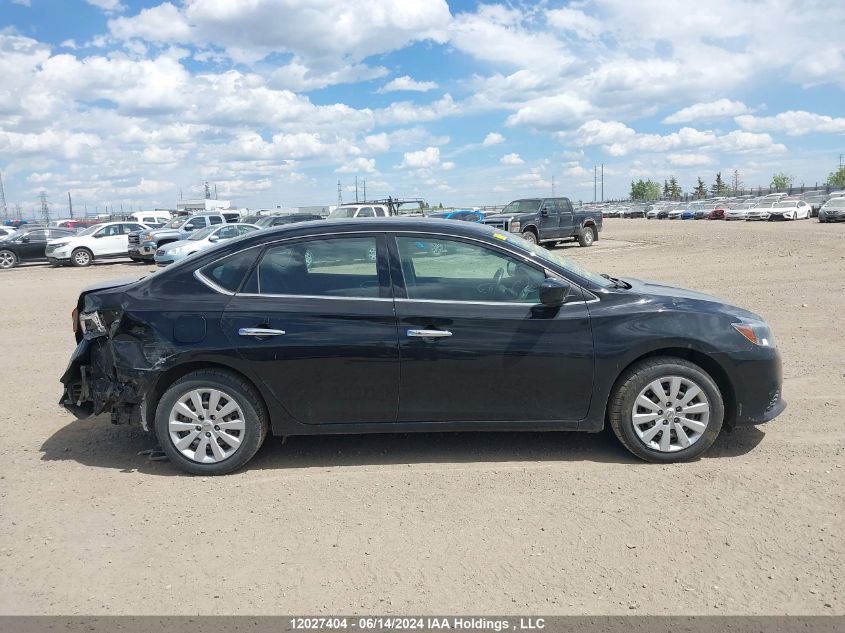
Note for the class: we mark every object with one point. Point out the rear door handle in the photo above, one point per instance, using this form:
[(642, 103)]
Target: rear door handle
[(259, 332), (429, 333)]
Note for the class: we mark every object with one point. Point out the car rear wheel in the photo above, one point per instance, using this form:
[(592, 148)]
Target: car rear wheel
[(8, 259), (666, 410), (81, 257), (211, 422), (587, 236)]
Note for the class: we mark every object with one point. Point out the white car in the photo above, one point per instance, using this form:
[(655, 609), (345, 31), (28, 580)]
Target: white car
[(790, 210), (759, 211), (101, 241), (6, 231), (200, 240), (738, 211)]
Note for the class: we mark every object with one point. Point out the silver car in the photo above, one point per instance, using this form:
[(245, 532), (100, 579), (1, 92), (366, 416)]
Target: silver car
[(200, 240)]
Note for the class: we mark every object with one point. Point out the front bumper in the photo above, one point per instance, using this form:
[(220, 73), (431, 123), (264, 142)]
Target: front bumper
[(757, 380), (831, 216), (147, 250)]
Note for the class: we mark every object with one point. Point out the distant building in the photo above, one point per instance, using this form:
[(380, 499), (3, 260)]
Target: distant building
[(200, 206)]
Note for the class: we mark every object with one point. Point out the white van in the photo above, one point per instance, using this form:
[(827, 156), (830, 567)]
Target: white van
[(151, 217)]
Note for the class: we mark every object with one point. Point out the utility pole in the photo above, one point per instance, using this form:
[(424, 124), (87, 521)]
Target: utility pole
[(215, 191), (365, 191), (19, 212), (207, 191), (339, 194), (356, 188), (70, 205), (553, 186), (602, 182), (45, 208), (595, 181), (3, 209)]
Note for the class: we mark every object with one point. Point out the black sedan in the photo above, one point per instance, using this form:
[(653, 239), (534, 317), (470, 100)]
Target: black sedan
[(29, 244), (297, 330)]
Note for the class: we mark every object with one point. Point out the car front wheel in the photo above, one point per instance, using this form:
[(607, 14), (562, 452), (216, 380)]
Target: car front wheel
[(529, 236), (666, 410), (211, 422), (587, 236), (81, 257), (8, 259)]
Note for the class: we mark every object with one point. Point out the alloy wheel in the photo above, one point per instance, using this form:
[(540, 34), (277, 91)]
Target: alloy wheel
[(7, 259), (81, 258), (206, 425), (670, 414)]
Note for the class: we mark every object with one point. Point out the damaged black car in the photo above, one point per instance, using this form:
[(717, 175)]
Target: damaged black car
[(353, 327)]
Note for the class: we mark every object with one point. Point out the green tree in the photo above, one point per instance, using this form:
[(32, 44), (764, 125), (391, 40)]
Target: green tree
[(837, 178), (674, 189), (781, 181), (737, 183), (720, 187), (700, 189), (665, 188), (645, 190)]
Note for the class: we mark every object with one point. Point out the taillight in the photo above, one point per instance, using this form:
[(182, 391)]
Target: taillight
[(75, 318)]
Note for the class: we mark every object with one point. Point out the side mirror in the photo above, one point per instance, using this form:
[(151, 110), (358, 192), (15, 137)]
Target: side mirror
[(214, 238), (544, 212), (553, 292)]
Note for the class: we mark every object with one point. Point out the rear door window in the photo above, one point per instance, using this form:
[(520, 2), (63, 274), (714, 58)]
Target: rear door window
[(365, 212), (334, 267), (216, 219), (229, 272)]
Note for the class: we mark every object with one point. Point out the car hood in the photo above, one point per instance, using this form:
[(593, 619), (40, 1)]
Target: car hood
[(112, 283), (662, 293), (176, 246), (505, 216)]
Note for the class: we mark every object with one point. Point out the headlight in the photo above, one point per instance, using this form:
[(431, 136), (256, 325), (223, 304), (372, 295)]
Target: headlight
[(515, 226), (755, 331), (58, 244), (91, 323), (146, 237)]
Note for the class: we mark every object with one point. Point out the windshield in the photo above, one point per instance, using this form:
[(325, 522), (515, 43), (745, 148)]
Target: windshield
[(343, 212), (266, 221), (90, 230), (522, 206), (176, 222), (786, 204), (203, 233), (763, 205), (11, 236), (549, 256), (836, 203)]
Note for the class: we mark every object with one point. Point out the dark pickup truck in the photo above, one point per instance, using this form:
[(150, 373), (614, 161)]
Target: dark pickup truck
[(548, 221)]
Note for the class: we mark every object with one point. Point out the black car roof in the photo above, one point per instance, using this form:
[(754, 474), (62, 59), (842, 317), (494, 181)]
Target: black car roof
[(387, 224)]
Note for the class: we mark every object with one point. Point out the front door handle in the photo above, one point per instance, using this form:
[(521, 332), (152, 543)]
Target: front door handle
[(259, 332), (429, 333)]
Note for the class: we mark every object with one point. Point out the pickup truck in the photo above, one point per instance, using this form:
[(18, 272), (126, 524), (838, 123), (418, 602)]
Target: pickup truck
[(144, 244), (548, 221)]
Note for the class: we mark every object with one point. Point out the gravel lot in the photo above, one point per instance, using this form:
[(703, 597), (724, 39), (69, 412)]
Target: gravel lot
[(481, 523)]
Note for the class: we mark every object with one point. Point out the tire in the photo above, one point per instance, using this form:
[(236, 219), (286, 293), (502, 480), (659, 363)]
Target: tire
[(530, 236), (550, 245), (81, 257), (250, 414), (587, 236), (8, 259), (650, 446)]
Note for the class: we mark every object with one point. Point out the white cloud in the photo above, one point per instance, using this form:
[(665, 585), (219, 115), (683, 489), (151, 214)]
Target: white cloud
[(404, 112), (407, 84), (719, 109), (23, 3), (161, 23), (511, 159), (358, 165), (298, 77), (493, 138), (793, 123), (110, 6), (557, 112), (575, 21), (422, 159)]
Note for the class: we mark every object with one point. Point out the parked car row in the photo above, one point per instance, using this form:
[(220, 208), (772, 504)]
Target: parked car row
[(775, 206), (179, 237)]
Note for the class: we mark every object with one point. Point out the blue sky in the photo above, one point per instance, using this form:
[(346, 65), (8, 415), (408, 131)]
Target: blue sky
[(274, 101)]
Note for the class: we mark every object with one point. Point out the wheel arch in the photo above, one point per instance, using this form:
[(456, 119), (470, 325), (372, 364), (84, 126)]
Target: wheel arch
[(171, 375), (703, 360), (532, 228)]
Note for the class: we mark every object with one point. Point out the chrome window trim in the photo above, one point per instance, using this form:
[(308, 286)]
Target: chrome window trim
[(370, 231), (255, 295)]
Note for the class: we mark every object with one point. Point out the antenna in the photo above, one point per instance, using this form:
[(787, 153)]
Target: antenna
[(3, 209)]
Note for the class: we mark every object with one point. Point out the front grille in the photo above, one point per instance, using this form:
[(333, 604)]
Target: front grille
[(499, 224), (134, 239)]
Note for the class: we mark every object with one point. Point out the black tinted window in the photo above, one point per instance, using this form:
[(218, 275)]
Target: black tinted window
[(451, 270), (37, 236), (230, 271), (340, 267), (216, 220)]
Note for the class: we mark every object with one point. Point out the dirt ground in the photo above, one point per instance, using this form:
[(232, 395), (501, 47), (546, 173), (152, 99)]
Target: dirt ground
[(516, 523)]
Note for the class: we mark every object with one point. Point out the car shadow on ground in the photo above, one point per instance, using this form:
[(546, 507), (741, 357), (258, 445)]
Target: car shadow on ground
[(99, 444)]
